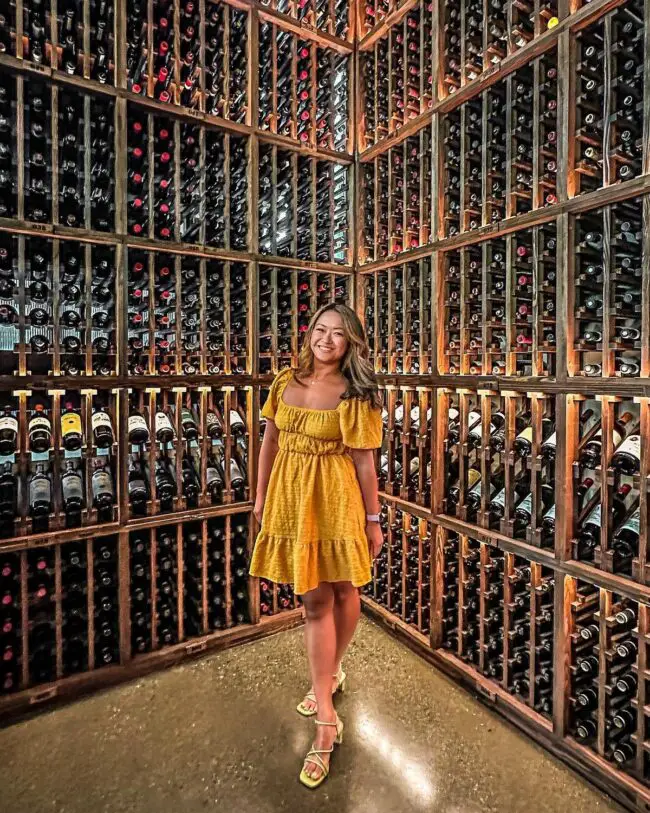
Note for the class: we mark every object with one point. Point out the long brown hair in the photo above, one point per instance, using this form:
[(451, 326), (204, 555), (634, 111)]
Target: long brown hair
[(355, 364)]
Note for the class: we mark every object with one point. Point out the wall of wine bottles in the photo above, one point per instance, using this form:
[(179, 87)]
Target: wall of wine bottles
[(503, 270), (175, 202), (183, 184)]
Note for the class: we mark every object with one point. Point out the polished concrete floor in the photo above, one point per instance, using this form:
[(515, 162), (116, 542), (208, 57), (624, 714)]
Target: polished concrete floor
[(222, 734)]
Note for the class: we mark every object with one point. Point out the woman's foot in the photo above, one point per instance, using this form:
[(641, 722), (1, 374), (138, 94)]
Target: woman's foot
[(323, 745), (309, 706)]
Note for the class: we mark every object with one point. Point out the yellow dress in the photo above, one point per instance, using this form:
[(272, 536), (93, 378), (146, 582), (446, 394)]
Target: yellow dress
[(313, 528)]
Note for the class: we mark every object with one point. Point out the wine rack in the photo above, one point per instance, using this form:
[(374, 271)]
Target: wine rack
[(396, 199), (402, 572), (529, 278), (183, 185), (143, 313), (286, 298)]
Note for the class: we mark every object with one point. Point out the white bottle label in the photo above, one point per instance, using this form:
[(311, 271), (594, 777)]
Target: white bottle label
[(526, 434), (551, 441), (8, 422), (453, 414), (473, 418), (632, 446), (235, 418), (163, 423), (137, 423), (399, 413), (40, 422), (100, 419), (550, 514)]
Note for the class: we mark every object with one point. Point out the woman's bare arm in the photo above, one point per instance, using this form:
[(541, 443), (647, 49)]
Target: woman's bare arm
[(265, 464), (364, 463)]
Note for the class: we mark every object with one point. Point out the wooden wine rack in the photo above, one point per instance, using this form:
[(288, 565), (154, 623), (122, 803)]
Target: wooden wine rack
[(220, 341), (505, 599), (432, 267)]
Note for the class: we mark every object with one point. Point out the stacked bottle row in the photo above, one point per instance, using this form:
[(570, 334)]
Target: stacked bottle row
[(330, 16), (59, 610), (609, 96), (397, 75), (499, 463), (186, 182), (303, 90), (276, 598), (477, 37), (80, 41), (188, 580), (57, 307), (186, 315), (398, 318), (287, 301), (182, 54), (396, 199), (405, 457), (607, 299), (65, 164), (402, 571), (608, 637), (304, 207), (187, 449), (497, 615), (609, 501), (58, 458), (500, 306), (500, 150)]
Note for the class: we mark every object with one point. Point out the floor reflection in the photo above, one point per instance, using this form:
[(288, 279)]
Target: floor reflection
[(404, 768)]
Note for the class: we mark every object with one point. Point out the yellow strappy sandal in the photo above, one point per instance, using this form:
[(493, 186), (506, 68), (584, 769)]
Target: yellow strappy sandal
[(314, 756), (340, 687)]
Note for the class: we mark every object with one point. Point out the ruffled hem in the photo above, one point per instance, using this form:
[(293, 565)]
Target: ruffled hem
[(306, 564)]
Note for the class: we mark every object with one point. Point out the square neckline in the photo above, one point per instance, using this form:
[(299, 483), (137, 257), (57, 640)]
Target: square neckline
[(306, 409)]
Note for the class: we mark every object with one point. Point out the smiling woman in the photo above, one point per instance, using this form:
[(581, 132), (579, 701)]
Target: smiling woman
[(317, 502)]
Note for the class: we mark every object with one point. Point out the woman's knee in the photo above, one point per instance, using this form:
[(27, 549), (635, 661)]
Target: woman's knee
[(318, 602), (345, 592)]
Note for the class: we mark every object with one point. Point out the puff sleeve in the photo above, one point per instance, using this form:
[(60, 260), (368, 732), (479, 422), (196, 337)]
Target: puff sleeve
[(361, 424), (279, 383)]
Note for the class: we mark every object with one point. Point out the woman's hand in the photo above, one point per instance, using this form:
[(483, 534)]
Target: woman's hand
[(375, 538), (258, 510)]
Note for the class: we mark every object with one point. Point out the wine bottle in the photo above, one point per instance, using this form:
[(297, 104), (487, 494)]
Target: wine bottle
[(102, 429), (39, 430), (8, 431), (71, 433), (138, 428)]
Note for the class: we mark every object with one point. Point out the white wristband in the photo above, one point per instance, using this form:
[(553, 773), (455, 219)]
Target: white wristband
[(372, 517)]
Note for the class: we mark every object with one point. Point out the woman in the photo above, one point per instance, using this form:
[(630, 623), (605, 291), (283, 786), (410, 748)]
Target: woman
[(317, 503)]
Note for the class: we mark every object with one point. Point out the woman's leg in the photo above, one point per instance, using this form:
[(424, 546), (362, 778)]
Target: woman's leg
[(320, 640), (347, 609)]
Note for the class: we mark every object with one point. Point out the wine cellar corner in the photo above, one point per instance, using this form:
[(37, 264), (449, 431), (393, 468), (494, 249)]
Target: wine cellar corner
[(182, 184)]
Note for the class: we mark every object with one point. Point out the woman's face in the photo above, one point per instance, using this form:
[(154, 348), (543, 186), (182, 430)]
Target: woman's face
[(328, 342)]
